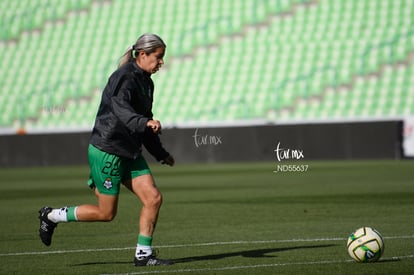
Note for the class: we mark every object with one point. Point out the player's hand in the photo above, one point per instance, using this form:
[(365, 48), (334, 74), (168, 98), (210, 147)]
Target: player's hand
[(169, 161), (155, 125)]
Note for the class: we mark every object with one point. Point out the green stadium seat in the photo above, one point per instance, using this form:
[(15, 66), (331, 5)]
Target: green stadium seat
[(227, 60)]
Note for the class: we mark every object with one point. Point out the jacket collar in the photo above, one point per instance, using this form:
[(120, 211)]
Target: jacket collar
[(139, 70)]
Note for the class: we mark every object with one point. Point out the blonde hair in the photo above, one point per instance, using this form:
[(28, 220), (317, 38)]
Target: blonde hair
[(147, 42)]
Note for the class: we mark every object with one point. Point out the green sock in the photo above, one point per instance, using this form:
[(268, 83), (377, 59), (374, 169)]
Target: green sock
[(71, 214), (144, 240)]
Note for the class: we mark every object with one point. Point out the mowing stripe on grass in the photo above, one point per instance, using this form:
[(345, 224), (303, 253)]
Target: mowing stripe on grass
[(253, 266), (189, 245)]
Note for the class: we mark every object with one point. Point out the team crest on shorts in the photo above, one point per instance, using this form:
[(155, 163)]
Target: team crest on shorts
[(108, 183)]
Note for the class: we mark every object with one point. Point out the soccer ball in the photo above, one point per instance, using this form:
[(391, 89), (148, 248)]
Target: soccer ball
[(365, 245)]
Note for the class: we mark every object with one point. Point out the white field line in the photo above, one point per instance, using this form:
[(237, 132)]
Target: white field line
[(186, 245), (252, 266)]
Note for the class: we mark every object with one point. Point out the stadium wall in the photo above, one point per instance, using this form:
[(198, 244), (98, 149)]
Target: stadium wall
[(280, 143)]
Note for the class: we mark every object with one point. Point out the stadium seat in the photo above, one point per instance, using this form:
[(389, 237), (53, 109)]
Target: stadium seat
[(226, 60)]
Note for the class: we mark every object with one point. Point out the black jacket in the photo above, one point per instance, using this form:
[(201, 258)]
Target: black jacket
[(121, 122)]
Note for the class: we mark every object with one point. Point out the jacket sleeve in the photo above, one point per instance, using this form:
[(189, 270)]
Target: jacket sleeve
[(153, 145), (121, 106)]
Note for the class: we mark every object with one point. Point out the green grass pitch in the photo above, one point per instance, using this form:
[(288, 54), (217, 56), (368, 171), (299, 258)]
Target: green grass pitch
[(238, 218)]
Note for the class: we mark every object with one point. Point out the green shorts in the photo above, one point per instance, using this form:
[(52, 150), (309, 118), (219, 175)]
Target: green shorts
[(108, 171)]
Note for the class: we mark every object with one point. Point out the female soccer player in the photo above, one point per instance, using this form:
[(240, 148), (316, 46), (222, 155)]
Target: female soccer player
[(123, 124)]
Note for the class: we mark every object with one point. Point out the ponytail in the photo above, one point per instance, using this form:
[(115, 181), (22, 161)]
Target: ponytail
[(126, 57)]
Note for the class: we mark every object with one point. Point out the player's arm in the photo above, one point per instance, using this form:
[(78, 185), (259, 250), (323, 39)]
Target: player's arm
[(153, 145), (122, 108)]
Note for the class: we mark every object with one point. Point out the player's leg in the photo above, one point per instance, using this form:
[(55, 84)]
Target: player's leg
[(105, 180), (143, 186), (151, 198), (49, 217), (105, 211), (145, 189)]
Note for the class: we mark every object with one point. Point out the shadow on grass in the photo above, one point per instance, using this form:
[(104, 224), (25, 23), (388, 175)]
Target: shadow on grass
[(131, 262), (255, 253)]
